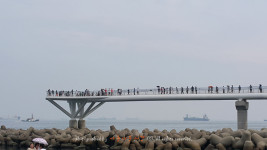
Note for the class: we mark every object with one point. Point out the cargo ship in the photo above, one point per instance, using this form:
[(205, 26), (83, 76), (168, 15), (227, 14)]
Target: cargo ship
[(204, 118)]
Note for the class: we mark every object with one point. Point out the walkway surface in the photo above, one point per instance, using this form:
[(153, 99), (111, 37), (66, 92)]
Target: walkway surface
[(160, 94)]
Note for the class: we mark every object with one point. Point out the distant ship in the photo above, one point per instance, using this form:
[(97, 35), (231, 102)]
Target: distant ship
[(204, 118), (30, 119)]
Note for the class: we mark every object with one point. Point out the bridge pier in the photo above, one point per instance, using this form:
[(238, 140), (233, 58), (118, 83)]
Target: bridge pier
[(81, 124), (242, 117), (73, 123)]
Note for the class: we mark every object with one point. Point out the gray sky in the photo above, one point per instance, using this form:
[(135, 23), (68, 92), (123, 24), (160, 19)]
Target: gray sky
[(67, 44)]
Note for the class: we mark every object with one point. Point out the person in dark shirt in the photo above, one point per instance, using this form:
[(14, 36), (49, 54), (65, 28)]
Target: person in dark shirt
[(260, 88)]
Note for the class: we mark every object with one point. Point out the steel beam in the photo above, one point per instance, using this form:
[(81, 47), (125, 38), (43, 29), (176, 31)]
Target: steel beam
[(93, 109), (60, 108)]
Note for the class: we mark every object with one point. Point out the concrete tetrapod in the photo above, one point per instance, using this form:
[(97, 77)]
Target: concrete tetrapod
[(259, 141)]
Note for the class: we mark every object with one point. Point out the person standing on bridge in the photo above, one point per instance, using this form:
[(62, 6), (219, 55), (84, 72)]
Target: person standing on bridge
[(192, 90), (260, 88), (128, 91), (211, 89), (187, 89), (223, 90), (158, 87), (195, 89), (232, 89), (177, 91), (228, 88), (217, 89), (250, 88), (134, 91), (239, 88), (111, 92), (106, 91), (48, 92), (182, 90)]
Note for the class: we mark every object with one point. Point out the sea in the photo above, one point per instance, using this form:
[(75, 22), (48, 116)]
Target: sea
[(134, 124), (131, 124)]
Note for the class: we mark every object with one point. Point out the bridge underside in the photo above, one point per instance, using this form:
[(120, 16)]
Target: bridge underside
[(78, 111)]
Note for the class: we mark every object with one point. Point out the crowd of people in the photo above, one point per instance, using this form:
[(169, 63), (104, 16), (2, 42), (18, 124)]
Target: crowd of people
[(160, 90)]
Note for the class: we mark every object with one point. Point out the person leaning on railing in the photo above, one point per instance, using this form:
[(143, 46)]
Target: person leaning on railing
[(260, 88)]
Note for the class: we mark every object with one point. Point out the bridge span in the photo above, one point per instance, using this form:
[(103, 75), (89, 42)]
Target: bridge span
[(78, 111)]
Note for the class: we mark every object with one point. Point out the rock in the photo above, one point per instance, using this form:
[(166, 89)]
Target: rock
[(215, 139), (132, 147), (248, 145), (112, 128), (3, 127), (168, 146), (246, 136), (259, 141), (68, 145), (160, 147), (210, 147), (115, 147), (192, 145), (125, 144), (137, 144), (175, 144), (201, 142), (220, 146), (227, 141), (237, 133), (150, 145)]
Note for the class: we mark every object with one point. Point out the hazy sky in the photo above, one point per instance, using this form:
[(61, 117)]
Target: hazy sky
[(68, 44)]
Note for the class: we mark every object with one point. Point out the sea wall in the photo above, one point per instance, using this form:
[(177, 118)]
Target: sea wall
[(188, 139)]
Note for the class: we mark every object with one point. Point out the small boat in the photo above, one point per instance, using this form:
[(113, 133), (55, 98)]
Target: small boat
[(30, 119), (204, 118)]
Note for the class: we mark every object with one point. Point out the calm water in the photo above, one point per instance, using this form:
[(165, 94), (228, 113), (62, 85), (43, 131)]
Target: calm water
[(134, 124), (131, 124)]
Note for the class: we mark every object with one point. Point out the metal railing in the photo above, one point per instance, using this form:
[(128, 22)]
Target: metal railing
[(158, 91)]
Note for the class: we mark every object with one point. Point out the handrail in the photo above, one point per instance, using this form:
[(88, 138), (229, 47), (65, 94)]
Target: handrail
[(159, 91)]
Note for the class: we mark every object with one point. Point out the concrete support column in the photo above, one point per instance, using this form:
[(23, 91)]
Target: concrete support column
[(81, 124), (80, 106), (73, 123), (72, 107), (242, 115)]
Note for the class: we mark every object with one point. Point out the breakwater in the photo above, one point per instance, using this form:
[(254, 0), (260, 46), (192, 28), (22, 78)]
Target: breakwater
[(125, 139)]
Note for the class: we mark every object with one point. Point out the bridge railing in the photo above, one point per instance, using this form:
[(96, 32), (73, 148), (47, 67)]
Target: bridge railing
[(158, 91)]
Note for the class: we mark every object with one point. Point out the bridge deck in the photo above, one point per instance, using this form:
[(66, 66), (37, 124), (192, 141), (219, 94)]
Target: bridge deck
[(166, 97)]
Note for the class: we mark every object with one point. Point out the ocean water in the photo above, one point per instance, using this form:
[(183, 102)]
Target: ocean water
[(130, 124), (134, 124)]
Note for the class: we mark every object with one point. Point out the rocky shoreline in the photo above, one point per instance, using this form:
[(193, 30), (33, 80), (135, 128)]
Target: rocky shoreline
[(188, 139)]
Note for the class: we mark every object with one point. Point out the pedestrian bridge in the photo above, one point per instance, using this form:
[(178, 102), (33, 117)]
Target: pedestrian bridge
[(78, 99)]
